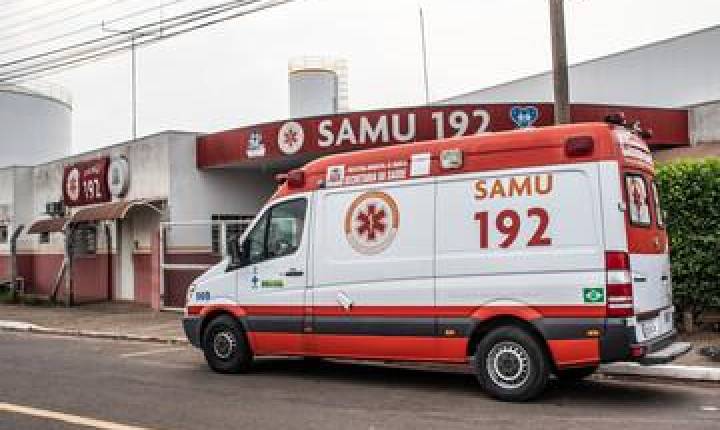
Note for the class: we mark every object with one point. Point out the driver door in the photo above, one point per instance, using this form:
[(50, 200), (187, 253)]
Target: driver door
[(273, 279)]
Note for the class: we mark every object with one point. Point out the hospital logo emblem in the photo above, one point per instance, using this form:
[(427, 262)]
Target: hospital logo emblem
[(371, 222), (524, 116), (255, 145), (72, 184), (290, 138)]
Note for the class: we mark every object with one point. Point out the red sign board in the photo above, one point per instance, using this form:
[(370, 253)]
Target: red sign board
[(358, 130), (85, 182)]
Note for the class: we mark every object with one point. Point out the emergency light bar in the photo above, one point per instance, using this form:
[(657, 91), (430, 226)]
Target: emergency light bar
[(618, 118)]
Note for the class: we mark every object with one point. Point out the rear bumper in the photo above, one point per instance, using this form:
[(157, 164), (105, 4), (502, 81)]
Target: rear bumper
[(667, 354), (619, 344), (192, 326), (662, 350)]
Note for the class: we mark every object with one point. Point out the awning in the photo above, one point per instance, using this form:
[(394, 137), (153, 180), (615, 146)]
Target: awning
[(106, 212), (49, 225)]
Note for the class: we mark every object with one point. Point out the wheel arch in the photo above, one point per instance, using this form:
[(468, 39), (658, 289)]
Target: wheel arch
[(483, 327), (215, 312)]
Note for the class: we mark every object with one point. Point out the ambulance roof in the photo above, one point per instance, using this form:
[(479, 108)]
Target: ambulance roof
[(486, 152)]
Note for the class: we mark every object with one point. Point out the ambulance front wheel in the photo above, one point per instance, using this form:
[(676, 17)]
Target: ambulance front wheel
[(225, 346), (511, 364)]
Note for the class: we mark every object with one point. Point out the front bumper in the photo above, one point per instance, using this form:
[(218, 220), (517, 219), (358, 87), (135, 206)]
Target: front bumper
[(192, 326)]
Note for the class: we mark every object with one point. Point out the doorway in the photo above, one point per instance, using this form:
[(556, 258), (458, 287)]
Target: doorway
[(125, 279)]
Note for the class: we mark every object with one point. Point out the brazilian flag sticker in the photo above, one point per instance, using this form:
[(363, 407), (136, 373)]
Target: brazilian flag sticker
[(594, 295)]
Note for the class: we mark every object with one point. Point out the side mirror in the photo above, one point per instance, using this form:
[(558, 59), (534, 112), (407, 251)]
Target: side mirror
[(235, 251)]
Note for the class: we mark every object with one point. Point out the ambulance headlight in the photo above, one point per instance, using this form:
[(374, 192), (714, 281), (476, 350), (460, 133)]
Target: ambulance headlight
[(190, 292)]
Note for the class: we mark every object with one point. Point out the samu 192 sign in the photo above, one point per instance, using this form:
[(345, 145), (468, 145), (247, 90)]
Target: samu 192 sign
[(85, 182)]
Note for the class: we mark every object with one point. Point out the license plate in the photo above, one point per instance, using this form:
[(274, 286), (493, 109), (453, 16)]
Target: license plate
[(649, 329)]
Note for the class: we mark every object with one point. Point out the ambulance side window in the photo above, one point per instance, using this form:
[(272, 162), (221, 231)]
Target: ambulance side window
[(277, 234), (254, 245), (285, 229)]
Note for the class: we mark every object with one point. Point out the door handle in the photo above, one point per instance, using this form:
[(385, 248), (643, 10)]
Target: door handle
[(344, 301), (294, 272)]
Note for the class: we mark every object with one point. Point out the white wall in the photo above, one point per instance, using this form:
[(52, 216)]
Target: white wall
[(35, 128), (16, 197), (148, 160), (198, 194), (705, 123), (678, 72)]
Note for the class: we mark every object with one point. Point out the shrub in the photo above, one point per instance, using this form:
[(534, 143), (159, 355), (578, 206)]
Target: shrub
[(690, 195)]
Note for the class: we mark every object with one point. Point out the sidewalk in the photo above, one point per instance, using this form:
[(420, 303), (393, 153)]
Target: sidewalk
[(125, 320)]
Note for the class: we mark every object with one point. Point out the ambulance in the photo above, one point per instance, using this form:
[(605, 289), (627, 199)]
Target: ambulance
[(529, 254)]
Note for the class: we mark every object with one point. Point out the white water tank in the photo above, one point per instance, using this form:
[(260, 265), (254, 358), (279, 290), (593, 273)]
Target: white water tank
[(35, 124), (317, 86)]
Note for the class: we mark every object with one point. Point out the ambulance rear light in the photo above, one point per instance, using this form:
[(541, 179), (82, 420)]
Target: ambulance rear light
[(619, 290), (579, 146), (637, 351), (294, 178)]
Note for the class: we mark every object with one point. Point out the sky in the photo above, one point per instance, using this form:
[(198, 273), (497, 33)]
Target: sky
[(235, 73)]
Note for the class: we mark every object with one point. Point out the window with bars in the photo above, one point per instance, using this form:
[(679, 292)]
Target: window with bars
[(85, 239), (235, 227)]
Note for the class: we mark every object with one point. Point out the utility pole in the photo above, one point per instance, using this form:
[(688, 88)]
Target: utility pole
[(132, 34), (560, 66), (424, 56)]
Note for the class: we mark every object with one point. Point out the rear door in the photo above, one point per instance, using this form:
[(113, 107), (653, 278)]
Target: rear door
[(647, 240), (648, 249)]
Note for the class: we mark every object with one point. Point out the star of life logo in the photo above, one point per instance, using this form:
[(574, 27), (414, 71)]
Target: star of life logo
[(371, 222), (290, 137), (72, 185)]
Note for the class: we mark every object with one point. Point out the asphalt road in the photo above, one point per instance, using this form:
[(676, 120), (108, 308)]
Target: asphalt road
[(165, 387)]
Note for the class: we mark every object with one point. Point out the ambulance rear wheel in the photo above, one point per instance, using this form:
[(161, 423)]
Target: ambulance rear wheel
[(225, 346), (575, 374), (511, 364)]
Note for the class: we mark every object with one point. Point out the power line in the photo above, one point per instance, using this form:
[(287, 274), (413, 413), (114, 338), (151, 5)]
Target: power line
[(22, 11), (52, 23), (87, 28), (77, 60), (142, 28), (31, 16)]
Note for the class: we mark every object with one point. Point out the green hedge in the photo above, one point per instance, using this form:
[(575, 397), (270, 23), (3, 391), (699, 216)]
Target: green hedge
[(690, 195)]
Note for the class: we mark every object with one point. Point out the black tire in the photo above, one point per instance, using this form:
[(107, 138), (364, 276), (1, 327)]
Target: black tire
[(575, 374), (511, 364), (225, 346)]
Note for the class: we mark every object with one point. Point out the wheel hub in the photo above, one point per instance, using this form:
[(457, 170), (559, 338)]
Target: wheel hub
[(224, 344), (508, 365)]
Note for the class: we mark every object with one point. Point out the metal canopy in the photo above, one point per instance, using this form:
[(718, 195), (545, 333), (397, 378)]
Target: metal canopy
[(49, 225), (106, 212)]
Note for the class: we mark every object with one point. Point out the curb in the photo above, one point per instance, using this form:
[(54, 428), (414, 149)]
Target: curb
[(664, 371), (32, 328)]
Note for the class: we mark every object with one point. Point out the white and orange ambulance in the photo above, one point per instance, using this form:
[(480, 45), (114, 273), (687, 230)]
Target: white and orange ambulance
[(528, 253)]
